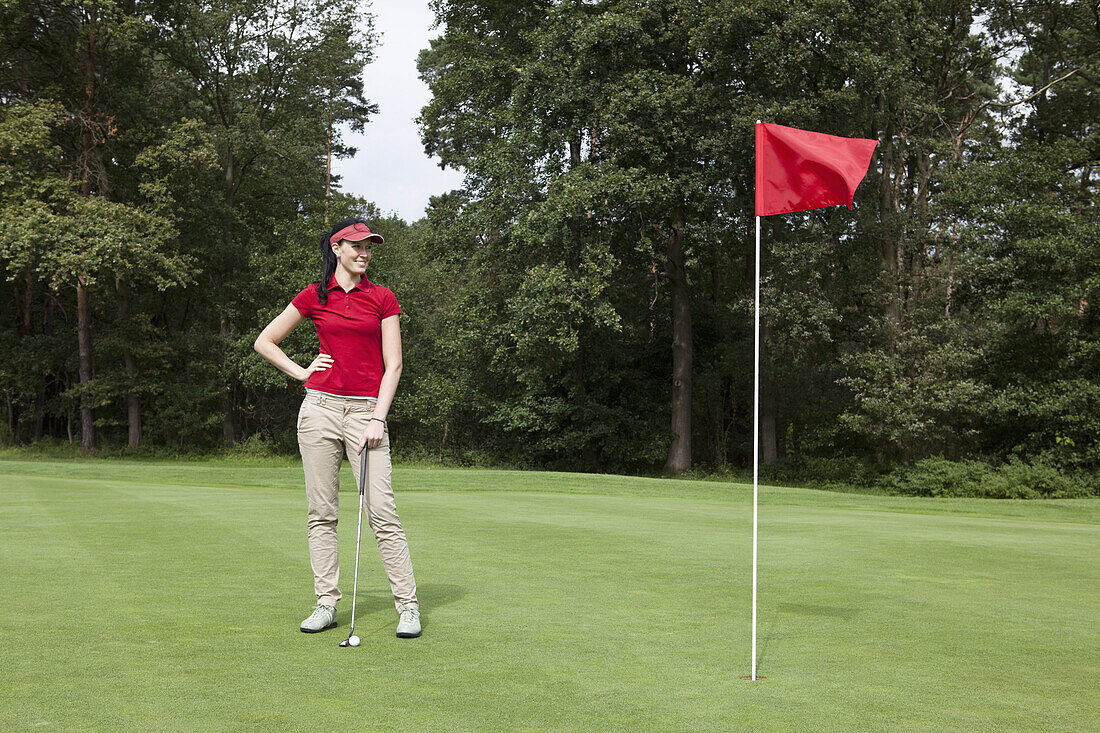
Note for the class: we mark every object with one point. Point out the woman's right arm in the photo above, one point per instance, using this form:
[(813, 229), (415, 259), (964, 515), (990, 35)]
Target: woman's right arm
[(267, 346)]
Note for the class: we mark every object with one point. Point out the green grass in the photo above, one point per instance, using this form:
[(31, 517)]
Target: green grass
[(143, 595)]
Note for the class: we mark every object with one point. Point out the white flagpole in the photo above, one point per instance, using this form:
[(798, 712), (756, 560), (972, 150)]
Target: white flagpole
[(755, 435), (755, 443)]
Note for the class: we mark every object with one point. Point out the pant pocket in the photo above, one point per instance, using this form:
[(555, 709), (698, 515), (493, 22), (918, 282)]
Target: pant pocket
[(308, 416)]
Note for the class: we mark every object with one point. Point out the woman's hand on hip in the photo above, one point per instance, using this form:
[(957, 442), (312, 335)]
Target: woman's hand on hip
[(321, 363), (372, 435)]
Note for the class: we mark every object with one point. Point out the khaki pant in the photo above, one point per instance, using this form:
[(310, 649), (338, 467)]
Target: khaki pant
[(327, 428)]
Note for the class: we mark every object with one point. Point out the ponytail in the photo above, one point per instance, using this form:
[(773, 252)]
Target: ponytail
[(328, 266)]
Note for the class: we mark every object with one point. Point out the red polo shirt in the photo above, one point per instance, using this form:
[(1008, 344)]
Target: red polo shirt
[(350, 329)]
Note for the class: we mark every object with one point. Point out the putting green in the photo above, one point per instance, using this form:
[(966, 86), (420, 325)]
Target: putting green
[(166, 596)]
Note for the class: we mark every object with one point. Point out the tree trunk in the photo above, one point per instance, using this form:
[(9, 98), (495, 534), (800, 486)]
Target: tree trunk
[(47, 330), (950, 282), (88, 139), (888, 244), (768, 451), (133, 406), (83, 314), (23, 302), (84, 344), (23, 293), (40, 413), (589, 454), (230, 186), (679, 451), (328, 166), (229, 424)]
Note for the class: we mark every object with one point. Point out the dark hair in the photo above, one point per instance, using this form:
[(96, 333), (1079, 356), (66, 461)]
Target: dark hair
[(328, 258)]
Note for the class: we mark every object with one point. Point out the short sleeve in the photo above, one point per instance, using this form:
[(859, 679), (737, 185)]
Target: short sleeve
[(389, 304), (306, 300)]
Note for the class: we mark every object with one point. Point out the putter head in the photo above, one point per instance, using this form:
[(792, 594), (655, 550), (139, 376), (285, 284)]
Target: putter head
[(346, 642)]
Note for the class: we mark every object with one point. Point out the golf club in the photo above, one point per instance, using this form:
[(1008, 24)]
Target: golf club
[(352, 639)]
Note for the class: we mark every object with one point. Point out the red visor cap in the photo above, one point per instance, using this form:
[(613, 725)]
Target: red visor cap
[(356, 232)]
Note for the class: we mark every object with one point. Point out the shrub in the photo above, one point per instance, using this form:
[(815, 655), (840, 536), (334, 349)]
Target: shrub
[(256, 445), (1019, 480), (1014, 480), (821, 472), (938, 477)]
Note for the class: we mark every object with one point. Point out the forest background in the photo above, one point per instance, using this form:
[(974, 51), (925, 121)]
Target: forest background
[(584, 300)]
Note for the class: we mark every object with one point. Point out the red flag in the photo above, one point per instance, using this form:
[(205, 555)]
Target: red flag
[(798, 170)]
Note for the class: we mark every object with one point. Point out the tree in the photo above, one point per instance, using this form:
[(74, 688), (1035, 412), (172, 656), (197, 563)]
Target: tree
[(272, 82), (601, 123), (85, 55), (1033, 243), (71, 238)]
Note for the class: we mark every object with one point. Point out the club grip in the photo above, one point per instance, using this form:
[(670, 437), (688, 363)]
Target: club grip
[(363, 470)]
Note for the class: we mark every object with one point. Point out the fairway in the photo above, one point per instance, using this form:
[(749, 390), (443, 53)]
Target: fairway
[(167, 596)]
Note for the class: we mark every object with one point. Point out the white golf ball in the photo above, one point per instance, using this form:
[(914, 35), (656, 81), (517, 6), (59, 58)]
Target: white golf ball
[(354, 641)]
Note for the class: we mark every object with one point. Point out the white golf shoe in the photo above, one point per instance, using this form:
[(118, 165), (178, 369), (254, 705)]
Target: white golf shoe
[(409, 625), (323, 617)]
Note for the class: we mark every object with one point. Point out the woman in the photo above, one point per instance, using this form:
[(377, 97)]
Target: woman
[(349, 388)]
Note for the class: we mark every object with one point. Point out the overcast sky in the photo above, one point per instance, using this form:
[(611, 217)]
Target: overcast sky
[(390, 167)]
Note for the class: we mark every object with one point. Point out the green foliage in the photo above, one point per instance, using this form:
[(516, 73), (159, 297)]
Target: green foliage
[(940, 477), (918, 395), (847, 472), (257, 445), (1014, 480), (607, 149)]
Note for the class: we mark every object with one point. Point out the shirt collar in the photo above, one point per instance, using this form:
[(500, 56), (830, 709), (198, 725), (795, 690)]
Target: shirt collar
[(364, 284)]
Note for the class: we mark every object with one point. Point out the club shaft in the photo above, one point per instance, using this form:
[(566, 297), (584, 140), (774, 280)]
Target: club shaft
[(358, 534)]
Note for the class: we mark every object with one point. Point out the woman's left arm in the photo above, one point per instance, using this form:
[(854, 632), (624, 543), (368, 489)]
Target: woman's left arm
[(391, 361)]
